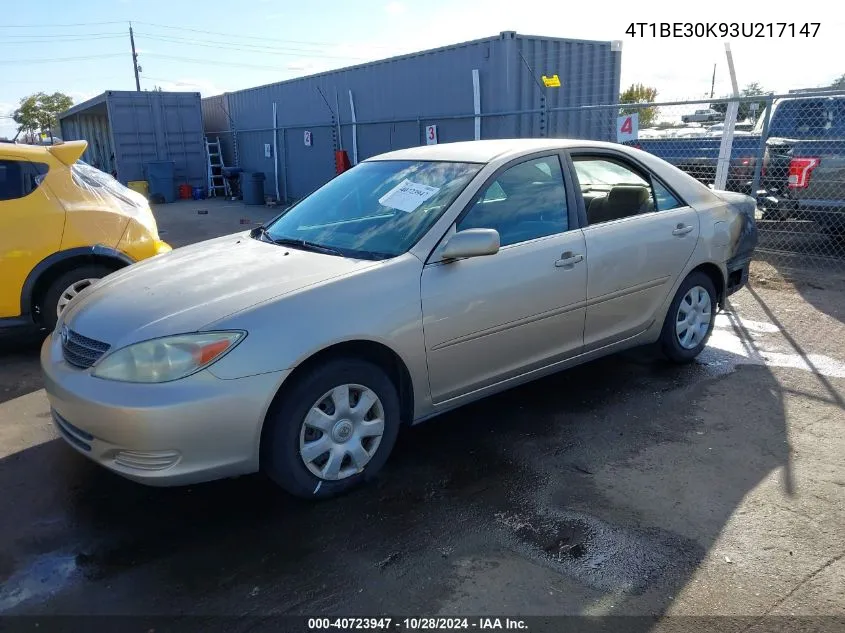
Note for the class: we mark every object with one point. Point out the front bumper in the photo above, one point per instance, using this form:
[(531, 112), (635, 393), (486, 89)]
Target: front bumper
[(195, 429), (162, 247)]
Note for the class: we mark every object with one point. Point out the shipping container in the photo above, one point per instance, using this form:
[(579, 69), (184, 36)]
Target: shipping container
[(395, 100), (126, 130), (215, 118)]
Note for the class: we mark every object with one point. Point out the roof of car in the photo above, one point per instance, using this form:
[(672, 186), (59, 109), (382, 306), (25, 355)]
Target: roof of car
[(485, 151), (21, 149)]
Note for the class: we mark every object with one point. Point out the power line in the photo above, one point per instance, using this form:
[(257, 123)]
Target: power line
[(251, 49), (242, 36), (173, 81), (62, 35), (62, 79), (73, 39), (259, 47), (205, 61), (45, 25), (52, 60)]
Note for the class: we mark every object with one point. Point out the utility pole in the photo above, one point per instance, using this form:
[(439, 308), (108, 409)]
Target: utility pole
[(713, 83), (134, 59)]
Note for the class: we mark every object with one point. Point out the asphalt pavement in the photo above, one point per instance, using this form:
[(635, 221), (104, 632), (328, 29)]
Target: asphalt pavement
[(627, 486)]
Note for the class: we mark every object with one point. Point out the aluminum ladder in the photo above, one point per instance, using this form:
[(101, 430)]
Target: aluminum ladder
[(217, 182)]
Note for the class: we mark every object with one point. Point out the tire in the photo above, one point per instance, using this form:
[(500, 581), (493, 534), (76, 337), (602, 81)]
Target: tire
[(48, 308), (286, 431), (670, 337)]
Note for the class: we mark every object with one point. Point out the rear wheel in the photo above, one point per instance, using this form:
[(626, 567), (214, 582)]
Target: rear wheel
[(332, 429), (65, 288), (689, 321)]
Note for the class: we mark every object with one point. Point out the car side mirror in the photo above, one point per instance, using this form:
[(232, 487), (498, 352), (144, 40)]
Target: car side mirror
[(471, 243)]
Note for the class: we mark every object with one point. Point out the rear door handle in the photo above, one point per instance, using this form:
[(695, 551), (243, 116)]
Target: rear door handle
[(568, 259), (682, 230)]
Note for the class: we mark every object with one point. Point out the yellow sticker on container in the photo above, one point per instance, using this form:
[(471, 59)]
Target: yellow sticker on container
[(551, 82)]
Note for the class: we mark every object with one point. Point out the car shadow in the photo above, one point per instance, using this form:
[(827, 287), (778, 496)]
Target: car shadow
[(20, 371), (814, 265), (605, 476)]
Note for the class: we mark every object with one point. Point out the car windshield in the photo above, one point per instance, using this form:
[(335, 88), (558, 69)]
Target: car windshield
[(376, 210)]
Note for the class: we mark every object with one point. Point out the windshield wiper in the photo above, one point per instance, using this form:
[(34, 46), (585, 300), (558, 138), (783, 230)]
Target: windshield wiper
[(305, 245)]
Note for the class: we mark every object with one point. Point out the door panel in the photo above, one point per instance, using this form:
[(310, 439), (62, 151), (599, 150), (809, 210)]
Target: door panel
[(632, 264), (639, 237), (31, 223), (490, 318)]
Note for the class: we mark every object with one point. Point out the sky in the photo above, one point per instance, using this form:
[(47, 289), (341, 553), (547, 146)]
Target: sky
[(82, 48)]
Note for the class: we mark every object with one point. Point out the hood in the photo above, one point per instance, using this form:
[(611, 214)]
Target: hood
[(190, 287)]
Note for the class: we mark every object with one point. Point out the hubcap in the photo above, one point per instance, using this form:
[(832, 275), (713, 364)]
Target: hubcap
[(71, 291), (341, 432), (693, 319)]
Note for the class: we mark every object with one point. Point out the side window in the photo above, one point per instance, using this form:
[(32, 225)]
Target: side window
[(612, 190), (664, 200), (19, 178), (525, 202)]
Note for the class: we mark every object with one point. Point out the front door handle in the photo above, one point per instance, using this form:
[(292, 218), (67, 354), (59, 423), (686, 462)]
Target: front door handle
[(682, 230), (568, 259)]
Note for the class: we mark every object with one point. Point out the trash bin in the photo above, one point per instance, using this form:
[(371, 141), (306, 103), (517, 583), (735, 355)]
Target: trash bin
[(160, 176), (139, 186), (233, 177), (252, 186)]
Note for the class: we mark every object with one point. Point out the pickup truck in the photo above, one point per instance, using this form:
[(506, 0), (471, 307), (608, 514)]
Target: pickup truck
[(703, 116), (803, 172)]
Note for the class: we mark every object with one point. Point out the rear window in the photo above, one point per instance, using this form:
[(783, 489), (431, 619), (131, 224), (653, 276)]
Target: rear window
[(19, 178), (809, 118)]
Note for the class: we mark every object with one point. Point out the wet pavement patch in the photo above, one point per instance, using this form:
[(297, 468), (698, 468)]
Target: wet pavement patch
[(607, 557), (44, 575)]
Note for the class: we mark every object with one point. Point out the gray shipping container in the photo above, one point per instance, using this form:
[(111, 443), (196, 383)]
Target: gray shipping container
[(215, 117), (395, 99), (125, 130)]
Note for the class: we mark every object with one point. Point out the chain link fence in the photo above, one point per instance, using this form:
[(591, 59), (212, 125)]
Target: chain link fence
[(788, 151)]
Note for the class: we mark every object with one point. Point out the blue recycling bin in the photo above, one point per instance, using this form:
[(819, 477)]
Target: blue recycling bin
[(161, 178), (252, 187)]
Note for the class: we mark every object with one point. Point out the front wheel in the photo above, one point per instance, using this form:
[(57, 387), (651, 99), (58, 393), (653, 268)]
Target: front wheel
[(690, 318), (332, 429), (64, 289)]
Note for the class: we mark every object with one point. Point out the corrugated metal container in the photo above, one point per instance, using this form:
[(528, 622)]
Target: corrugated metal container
[(217, 125), (396, 98), (125, 130)]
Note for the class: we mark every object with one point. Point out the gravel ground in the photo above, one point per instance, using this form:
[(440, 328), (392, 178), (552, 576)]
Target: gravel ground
[(627, 486)]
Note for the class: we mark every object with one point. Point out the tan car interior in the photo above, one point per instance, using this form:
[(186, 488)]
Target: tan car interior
[(533, 205), (611, 200), (620, 202)]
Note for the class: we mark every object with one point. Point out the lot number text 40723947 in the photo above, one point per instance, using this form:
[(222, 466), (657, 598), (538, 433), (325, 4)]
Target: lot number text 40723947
[(418, 624)]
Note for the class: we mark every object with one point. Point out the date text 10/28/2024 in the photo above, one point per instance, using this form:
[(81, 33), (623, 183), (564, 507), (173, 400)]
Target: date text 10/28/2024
[(723, 29), (417, 624)]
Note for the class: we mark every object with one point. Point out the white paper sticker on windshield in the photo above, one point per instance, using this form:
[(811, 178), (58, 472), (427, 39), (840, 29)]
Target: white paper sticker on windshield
[(407, 196)]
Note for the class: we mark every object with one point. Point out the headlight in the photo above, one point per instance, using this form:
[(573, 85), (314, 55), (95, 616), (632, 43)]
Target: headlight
[(166, 359)]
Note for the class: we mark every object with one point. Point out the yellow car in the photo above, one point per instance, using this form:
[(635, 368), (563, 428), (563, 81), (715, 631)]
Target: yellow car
[(63, 226)]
